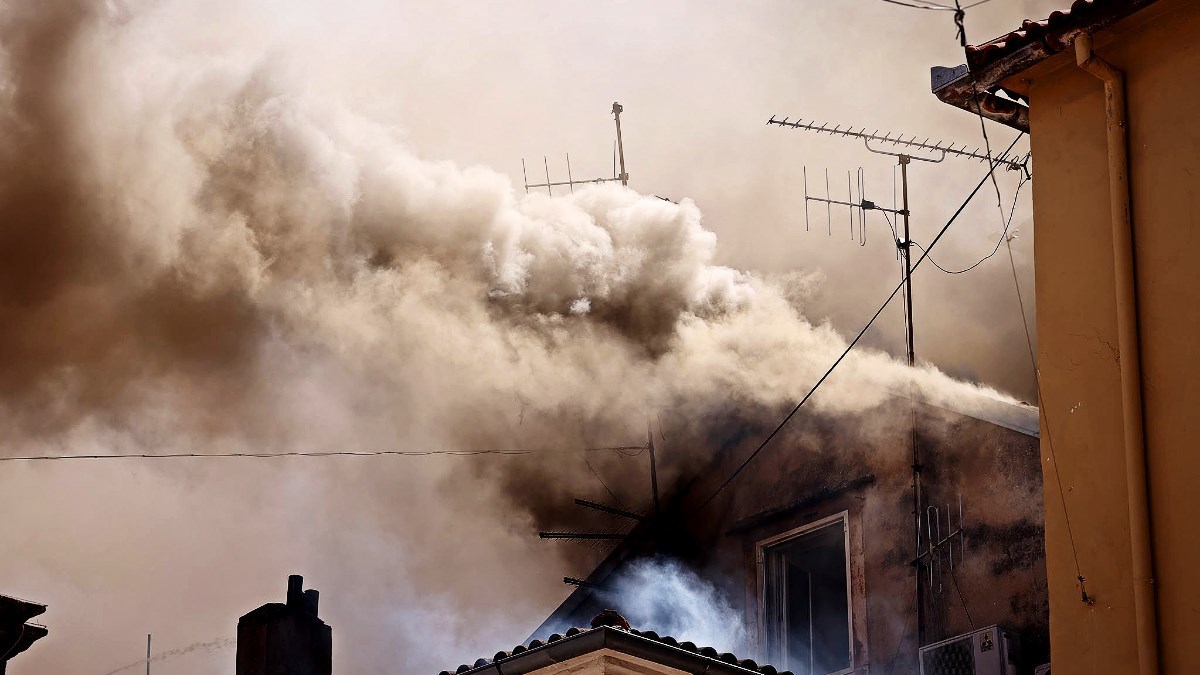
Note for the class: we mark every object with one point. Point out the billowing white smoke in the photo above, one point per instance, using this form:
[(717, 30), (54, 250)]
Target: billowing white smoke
[(664, 596)]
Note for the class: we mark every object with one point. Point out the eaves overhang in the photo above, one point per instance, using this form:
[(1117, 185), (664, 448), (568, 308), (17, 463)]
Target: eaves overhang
[(977, 86), (646, 645)]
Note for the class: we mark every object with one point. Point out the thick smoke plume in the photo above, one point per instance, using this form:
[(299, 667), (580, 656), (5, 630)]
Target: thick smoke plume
[(198, 254)]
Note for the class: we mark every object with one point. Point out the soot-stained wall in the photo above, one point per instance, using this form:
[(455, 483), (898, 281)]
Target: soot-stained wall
[(861, 465)]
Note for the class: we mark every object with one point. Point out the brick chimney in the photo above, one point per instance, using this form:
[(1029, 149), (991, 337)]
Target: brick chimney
[(285, 639)]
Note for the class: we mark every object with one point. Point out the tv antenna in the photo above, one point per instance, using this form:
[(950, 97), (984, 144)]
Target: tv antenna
[(904, 151), (618, 154), (898, 147), (620, 512), (1010, 162)]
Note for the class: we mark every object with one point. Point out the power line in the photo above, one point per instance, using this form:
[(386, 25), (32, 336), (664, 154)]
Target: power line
[(960, 15), (7, 652), (603, 484), (621, 449), (930, 6), (937, 7), (1037, 379), (992, 168), (1003, 235), (961, 598)]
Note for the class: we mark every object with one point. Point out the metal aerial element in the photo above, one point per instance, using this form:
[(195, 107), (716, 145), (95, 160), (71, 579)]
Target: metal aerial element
[(650, 520), (1010, 162), (610, 509), (570, 182), (856, 201), (581, 535)]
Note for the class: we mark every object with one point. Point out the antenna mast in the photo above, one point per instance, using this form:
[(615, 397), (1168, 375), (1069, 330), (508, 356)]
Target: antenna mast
[(900, 148), (620, 144), (618, 151)]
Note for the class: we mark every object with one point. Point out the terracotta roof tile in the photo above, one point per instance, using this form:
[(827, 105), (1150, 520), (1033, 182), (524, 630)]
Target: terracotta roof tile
[(1054, 30), (749, 665)]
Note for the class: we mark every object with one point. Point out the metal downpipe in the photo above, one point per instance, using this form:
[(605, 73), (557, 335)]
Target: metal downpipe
[(1137, 485)]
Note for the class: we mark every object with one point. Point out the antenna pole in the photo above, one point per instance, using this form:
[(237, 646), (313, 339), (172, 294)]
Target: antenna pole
[(653, 465), (620, 144), (147, 654), (907, 245), (906, 250)]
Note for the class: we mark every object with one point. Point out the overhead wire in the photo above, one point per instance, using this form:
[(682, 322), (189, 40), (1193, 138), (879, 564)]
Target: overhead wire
[(1003, 234), (1037, 379), (930, 6), (959, 20), (962, 599), (993, 164), (603, 484), (960, 15), (620, 449), (9, 651), (934, 6)]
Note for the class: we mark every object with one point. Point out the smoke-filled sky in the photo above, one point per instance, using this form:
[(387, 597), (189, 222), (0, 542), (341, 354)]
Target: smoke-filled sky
[(298, 226)]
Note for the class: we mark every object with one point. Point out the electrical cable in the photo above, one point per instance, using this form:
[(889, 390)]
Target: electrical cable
[(960, 15), (933, 5), (1037, 379), (961, 599), (771, 436), (621, 449), (1001, 240), (899, 644), (603, 484), (9, 651), (930, 6)]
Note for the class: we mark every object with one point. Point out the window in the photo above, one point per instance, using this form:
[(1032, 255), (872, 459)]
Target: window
[(806, 598)]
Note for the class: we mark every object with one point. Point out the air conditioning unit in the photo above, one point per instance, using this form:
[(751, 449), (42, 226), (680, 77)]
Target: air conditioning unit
[(988, 651)]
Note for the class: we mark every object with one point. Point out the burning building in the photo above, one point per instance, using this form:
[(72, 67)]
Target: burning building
[(279, 273), (817, 548)]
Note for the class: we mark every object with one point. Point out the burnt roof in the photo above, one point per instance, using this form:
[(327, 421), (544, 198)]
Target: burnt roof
[(972, 86), (664, 649)]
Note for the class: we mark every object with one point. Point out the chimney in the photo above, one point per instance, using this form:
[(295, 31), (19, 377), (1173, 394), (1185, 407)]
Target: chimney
[(295, 593), (285, 638)]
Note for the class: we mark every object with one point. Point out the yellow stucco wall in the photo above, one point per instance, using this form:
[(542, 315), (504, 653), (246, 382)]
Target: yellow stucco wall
[(1160, 54)]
